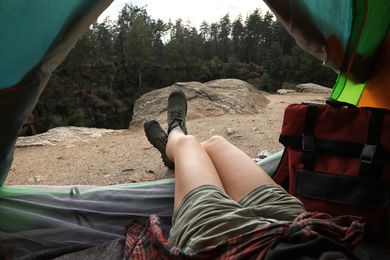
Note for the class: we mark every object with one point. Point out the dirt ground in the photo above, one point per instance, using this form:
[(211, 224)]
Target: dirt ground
[(126, 156)]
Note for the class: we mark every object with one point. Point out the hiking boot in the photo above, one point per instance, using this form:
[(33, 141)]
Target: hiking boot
[(177, 111), (158, 138)]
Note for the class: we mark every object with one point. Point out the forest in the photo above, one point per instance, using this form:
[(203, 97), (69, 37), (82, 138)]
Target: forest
[(115, 62)]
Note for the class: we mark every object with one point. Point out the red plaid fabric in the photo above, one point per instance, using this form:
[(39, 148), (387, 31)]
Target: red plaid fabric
[(147, 240)]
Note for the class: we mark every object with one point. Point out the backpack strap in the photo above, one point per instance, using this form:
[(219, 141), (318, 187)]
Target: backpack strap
[(338, 104), (367, 167), (308, 139)]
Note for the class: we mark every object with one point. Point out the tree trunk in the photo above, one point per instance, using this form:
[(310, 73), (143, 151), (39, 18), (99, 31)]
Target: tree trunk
[(139, 78)]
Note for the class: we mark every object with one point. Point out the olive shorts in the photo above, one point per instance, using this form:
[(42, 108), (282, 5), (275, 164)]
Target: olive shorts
[(208, 216)]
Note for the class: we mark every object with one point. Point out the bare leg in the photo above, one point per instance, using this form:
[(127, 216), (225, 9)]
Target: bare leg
[(193, 166), (239, 174)]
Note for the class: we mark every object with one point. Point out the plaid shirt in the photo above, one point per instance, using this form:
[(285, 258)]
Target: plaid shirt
[(147, 240)]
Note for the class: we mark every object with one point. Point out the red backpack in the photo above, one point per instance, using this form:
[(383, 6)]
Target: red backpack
[(337, 160)]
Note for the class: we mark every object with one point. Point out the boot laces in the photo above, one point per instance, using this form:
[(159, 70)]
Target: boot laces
[(176, 115), (162, 140)]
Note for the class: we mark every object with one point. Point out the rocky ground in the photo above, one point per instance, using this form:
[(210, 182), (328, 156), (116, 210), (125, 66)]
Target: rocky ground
[(107, 157)]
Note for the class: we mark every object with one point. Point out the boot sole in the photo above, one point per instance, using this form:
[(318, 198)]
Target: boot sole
[(168, 163)]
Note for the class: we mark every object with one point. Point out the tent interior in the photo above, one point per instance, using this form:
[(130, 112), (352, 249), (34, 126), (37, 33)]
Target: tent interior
[(350, 36)]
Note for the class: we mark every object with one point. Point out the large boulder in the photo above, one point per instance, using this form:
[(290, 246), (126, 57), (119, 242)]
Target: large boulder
[(65, 135), (210, 99), (312, 88)]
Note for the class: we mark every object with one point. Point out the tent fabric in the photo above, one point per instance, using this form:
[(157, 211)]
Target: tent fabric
[(49, 217), (37, 36), (112, 250), (65, 219), (322, 28), (348, 36), (376, 92), (43, 25), (364, 51)]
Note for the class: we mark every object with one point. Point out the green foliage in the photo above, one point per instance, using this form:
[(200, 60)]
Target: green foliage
[(288, 85), (309, 69), (77, 118), (210, 70), (235, 69), (51, 121), (106, 93), (117, 105), (266, 82), (114, 63)]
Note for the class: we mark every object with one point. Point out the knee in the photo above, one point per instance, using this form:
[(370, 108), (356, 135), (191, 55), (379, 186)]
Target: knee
[(213, 142), (187, 140)]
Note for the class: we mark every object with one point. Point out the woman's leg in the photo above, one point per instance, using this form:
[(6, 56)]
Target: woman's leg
[(193, 166), (238, 173)]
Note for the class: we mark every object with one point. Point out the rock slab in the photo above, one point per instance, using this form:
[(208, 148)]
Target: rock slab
[(210, 99), (312, 88)]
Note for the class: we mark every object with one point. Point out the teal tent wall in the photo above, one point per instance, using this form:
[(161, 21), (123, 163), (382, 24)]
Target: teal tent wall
[(36, 37)]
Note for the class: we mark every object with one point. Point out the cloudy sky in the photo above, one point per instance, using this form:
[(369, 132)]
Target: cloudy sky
[(195, 10)]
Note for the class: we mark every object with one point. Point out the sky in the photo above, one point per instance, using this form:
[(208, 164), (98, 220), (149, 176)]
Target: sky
[(195, 11)]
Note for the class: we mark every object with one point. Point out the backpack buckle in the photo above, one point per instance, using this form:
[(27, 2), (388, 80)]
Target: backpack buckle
[(308, 143), (368, 152)]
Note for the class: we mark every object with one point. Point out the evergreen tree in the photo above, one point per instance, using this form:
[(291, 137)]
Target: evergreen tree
[(274, 66), (115, 62), (223, 37), (253, 36), (237, 35), (138, 49)]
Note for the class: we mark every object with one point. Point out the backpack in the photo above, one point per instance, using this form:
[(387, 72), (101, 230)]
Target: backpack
[(337, 160)]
